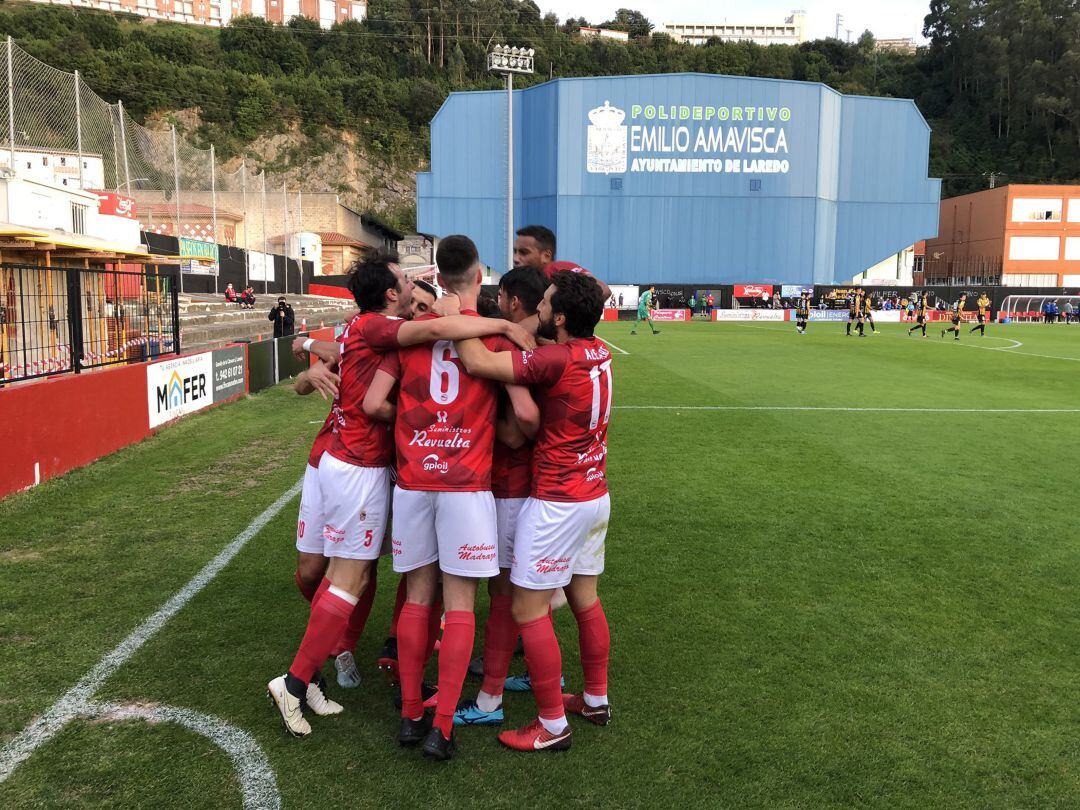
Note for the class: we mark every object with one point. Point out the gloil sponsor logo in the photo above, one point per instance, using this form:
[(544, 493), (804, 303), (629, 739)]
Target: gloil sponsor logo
[(432, 463), (333, 534), (594, 474)]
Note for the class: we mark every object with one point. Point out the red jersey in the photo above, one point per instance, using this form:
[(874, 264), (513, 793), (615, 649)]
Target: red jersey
[(357, 439), (511, 469), (572, 383), (322, 439), (445, 426)]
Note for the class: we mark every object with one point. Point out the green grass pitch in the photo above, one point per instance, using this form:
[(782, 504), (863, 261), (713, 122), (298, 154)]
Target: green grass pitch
[(841, 572)]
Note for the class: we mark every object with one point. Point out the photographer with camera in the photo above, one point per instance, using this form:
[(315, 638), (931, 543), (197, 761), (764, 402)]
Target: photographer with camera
[(283, 317)]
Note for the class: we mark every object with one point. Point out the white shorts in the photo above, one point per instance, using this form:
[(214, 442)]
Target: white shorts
[(309, 525), (552, 538), (506, 516), (455, 529), (356, 508)]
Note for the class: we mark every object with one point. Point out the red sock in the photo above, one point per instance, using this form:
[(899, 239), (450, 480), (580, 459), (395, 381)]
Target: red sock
[(544, 660), (454, 654), (325, 625), (412, 642), (307, 589), (500, 636), (324, 583), (595, 641), (358, 618), (434, 626), (399, 603)]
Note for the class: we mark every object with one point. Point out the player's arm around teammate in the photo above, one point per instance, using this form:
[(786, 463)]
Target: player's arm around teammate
[(562, 527)]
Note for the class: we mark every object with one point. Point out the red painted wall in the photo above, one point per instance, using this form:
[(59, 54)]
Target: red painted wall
[(66, 422), (329, 290)]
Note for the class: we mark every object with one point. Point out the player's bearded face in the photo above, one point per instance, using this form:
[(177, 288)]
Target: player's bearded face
[(546, 329)]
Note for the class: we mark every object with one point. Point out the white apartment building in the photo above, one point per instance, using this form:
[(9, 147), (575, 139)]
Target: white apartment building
[(588, 32), (791, 32), (219, 12)]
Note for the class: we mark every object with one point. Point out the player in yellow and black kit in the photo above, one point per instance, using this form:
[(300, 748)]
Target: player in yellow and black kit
[(802, 312), (984, 313), (867, 315), (957, 313), (920, 316), (854, 310)]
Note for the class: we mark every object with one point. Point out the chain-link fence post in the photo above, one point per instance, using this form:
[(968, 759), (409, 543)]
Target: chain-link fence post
[(285, 232), (123, 145), (115, 151), (213, 205), (176, 191), (11, 101), (243, 192), (263, 208), (78, 130)]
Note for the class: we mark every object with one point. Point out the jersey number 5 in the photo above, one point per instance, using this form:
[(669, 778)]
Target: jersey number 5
[(604, 369), (445, 377)]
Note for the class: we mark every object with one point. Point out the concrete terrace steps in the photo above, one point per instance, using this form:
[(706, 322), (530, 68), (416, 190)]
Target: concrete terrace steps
[(207, 320)]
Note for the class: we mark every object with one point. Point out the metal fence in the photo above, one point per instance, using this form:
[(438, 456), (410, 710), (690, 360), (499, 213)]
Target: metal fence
[(55, 320), (180, 189)]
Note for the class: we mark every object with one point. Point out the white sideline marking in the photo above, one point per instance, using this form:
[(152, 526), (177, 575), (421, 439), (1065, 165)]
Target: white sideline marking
[(76, 699), (952, 342), (612, 345), (257, 782), (836, 408)]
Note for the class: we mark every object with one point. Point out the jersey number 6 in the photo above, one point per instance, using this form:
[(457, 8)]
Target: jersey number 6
[(445, 377)]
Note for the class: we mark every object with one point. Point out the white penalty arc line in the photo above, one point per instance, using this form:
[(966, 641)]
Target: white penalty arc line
[(76, 700), (835, 408), (257, 782)]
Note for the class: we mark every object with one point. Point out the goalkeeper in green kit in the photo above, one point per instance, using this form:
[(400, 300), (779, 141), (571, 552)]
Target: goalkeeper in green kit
[(644, 304)]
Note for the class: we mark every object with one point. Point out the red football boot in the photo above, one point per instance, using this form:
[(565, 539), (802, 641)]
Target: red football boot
[(575, 704), (534, 737)]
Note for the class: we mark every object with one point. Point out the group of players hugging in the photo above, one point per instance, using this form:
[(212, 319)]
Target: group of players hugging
[(466, 448)]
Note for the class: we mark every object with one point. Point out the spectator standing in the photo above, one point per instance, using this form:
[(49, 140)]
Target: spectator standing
[(711, 303), (283, 317), (620, 300), (1068, 310), (692, 302)]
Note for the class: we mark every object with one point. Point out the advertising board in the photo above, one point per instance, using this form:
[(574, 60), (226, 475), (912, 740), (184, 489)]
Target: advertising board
[(228, 372), (753, 290), (670, 315), (179, 387), (747, 314)]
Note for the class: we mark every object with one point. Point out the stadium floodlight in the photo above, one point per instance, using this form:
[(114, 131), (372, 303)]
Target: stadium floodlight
[(506, 61)]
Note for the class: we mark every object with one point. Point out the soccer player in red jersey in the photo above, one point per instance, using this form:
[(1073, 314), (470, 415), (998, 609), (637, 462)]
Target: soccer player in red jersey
[(354, 472), (444, 512), (311, 563), (535, 247), (520, 291), (563, 524)]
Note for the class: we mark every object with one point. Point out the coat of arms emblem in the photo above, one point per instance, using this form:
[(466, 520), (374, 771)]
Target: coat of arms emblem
[(606, 152)]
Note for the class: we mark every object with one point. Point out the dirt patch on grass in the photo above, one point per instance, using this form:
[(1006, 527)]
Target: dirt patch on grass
[(18, 555)]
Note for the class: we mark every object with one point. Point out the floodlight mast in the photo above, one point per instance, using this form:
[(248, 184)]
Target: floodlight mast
[(507, 61)]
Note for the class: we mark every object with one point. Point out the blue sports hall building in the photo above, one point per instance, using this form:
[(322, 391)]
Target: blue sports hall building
[(687, 178)]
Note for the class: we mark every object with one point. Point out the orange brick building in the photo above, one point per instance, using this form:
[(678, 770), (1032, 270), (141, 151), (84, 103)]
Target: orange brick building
[(1031, 232)]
